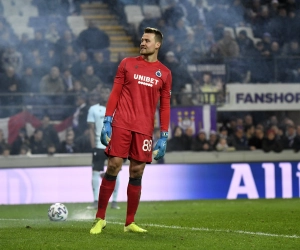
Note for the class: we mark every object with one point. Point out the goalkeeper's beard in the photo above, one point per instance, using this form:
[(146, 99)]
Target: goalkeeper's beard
[(145, 52)]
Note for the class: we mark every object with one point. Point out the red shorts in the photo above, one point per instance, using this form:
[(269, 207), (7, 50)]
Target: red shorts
[(129, 144)]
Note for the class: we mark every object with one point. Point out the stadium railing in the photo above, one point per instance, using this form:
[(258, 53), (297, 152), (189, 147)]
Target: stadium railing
[(60, 106)]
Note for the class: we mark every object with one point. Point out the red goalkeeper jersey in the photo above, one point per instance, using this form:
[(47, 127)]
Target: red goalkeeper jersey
[(138, 86)]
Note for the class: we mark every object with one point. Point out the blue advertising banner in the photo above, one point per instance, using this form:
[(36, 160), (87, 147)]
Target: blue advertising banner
[(160, 182)]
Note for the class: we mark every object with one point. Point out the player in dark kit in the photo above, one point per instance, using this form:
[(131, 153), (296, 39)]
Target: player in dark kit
[(139, 84)]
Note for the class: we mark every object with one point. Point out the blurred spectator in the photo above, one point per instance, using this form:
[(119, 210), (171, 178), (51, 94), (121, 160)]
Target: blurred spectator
[(245, 43), (103, 68), (218, 13), (272, 120), (104, 94), (238, 140), (52, 83), (148, 21), (80, 115), (52, 58), (255, 142), (37, 143), (170, 44), (261, 21), (172, 12), (180, 75), (199, 31), (93, 38), (214, 55), (248, 120), (293, 24), (7, 39), (223, 132), (89, 80), (222, 145), (68, 79), (77, 89), (274, 8), (83, 142), (259, 66), (10, 84), (209, 89), (278, 131), (39, 43), (78, 68), (6, 150), (24, 46), (296, 144), (163, 27), (179, 141), (30, 82), (66, 40), (240, 122), (289, 136), (231, 126), (186, 97), (236, 12), (267, 40), (68, 146), (3, 142), (189, 133), (25, 150), (69, 57), (46, 7), (200, 143), (228, 46), (249, 131), (180, 31), (51, 149), (52, 34), (218, 30), (71, 7), (278, 26), (198, 13), (38, 63), (22, 139), (270, 143), (213, 140), (12, 58), (292, 48), (50, 135)]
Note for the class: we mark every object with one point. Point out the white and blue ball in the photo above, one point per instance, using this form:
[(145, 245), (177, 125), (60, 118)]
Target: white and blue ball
[(58, 212)]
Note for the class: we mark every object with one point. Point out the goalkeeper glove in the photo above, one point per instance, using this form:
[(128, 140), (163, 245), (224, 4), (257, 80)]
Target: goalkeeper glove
[(160, 147), (106, 130)]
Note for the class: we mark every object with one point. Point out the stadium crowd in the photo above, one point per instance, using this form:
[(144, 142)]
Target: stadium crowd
[(74, 70), (239, 134)]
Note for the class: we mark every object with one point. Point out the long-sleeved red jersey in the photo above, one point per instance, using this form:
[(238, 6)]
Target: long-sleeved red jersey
[(138, 86)]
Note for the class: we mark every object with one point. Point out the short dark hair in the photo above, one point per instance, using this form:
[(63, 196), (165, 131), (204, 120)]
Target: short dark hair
[(158, 35)]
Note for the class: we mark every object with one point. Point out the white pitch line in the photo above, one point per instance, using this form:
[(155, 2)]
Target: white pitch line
[(186, 228), (217, 230)]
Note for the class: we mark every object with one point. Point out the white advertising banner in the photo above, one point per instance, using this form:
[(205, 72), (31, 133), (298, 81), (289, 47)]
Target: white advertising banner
[(261, 97)]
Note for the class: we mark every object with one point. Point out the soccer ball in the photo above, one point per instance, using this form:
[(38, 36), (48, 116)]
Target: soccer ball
[(58, 212)]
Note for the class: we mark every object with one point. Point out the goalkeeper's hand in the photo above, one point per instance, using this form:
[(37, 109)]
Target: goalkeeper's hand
[(106, 130), (160, 148)]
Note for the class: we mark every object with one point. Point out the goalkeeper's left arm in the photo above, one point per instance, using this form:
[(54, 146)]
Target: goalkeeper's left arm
[(159, 149)]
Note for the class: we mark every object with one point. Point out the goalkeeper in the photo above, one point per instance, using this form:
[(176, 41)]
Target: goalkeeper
[(139, 84)]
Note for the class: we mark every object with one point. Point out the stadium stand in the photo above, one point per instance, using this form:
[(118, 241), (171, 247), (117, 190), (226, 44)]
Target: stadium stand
[(194, 46)]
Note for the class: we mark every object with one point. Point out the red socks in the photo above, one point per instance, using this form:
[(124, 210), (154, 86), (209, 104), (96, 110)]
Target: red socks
[(106, 189), (133, 200)]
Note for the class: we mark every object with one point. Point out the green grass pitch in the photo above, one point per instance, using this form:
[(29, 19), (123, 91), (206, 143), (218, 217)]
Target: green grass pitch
[(204, 224)]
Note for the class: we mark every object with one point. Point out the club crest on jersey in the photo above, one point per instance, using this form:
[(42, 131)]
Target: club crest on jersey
[(158, 73)]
